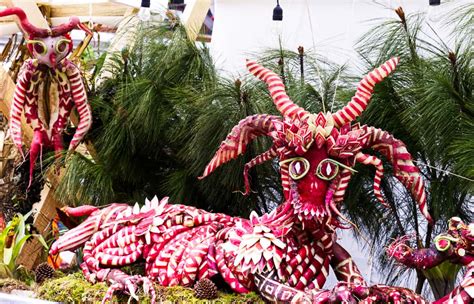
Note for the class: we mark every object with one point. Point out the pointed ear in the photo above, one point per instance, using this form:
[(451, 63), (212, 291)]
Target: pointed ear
[(403, 167), (236, 142)]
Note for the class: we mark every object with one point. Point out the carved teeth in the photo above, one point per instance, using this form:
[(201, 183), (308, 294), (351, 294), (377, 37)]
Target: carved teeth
[(265, 243), (278, 243), (256, 255), (238, 259), (267, 255)]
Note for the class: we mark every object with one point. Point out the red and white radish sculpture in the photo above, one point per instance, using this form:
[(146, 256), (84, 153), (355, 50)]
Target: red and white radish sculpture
[(455, 245), (48, 87), (280, 254)]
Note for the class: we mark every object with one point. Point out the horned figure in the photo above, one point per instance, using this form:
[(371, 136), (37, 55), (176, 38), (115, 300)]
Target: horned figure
[(455, 246), (48, 87), (280, 253)]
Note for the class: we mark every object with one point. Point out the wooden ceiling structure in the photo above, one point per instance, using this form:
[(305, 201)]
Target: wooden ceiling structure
[(105, 12)]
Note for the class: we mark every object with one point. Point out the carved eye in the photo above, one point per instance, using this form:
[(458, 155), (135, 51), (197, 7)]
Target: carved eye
[(327, 169), (39, 47), (298, 167), (443, 242), (62, 45)]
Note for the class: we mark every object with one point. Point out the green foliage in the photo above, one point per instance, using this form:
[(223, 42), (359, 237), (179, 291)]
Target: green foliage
[(163, 115), (12, 239), (74, 288), (427, 103)]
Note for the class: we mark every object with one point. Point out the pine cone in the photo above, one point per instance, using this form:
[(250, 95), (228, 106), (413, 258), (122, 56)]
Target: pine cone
[(43, 272), (205, 289)]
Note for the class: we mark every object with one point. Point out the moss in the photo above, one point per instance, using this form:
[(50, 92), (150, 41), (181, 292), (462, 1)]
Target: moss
[(7, 285), (73, 288)]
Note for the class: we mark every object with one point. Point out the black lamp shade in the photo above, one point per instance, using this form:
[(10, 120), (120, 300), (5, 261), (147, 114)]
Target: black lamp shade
[(278, 13), (176, 5), (145, 3), (435, 2)]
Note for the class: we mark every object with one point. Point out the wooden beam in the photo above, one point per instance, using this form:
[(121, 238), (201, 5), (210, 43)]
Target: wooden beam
[(7, 88), (98, 9), (194, 15), (8, 28), (124, 38)]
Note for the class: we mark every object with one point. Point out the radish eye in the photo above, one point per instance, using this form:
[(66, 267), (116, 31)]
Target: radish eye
[(327, 169), (38, 46), (62, 45), (298, 167)]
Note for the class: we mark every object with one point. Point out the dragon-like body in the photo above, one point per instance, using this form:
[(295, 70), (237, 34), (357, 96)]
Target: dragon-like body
[(282, 253)]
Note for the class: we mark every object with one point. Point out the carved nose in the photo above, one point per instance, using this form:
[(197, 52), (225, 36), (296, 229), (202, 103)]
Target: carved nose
[(52, 58)]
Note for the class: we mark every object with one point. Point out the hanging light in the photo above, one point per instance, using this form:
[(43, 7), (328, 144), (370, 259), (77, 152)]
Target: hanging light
[(177, 5), (144, 13), (278, 12), (435, 2)]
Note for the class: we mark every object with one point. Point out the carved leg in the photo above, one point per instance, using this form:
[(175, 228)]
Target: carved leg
[(345, 268), (419, 259), (35, 150), (125, 282), (110, 292)]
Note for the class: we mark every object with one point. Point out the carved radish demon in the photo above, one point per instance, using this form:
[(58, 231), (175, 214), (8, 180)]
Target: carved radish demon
[(455, 246), (280, 253), (48, 87)]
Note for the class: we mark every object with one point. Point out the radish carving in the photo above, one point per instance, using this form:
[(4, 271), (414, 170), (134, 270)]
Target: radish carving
[(47, 88)]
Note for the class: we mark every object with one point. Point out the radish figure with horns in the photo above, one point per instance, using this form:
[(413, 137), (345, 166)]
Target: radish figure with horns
[(48, 87), (283, 254)]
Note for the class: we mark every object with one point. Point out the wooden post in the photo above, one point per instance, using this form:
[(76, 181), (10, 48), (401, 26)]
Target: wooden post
[(32, 11), (194, 15)]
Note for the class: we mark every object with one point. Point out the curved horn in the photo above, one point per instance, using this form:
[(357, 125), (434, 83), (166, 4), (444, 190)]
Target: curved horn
[(236, 142), (402, 162), (29, 28), (277, 90), (74, 23), (361, 99), (377, 163)]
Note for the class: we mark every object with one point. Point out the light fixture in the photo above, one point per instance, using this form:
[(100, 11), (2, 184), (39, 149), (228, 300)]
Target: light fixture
[(144, 13), (435, 2), (278, 12), (177, 5)]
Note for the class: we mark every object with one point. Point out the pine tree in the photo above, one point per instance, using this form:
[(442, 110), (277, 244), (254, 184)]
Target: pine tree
[(428, 104)]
